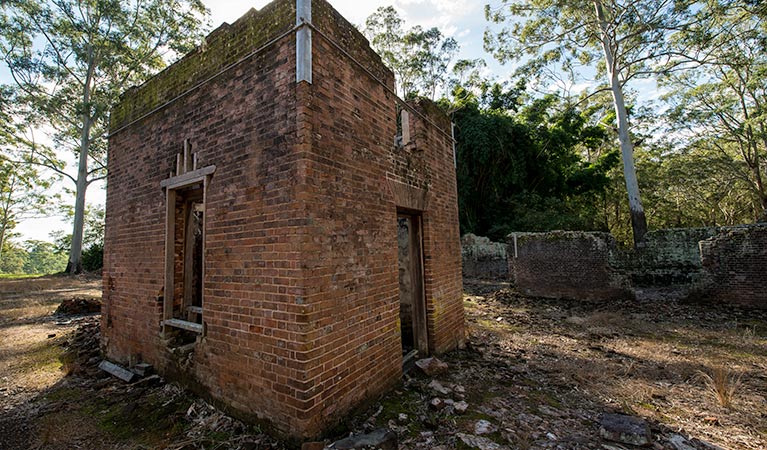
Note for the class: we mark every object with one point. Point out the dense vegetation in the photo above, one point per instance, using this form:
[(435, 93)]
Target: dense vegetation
[(531, 155)]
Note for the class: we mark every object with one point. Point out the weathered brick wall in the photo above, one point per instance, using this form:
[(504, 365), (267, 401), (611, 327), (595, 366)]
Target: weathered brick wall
[(568, 264), (301, 293), (244, 122), (483, 258), (667, 258), (735, 264), (351, 252)]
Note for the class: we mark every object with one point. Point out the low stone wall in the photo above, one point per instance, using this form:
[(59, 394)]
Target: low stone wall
[(722, 264), (566, 264), (734, 266), (483, 258), (667, 258)]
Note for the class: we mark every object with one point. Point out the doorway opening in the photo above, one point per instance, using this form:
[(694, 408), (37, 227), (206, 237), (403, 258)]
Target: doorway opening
[(412, 311)]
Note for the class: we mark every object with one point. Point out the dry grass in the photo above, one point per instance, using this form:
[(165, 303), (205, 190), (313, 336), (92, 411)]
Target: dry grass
[(723, 384)]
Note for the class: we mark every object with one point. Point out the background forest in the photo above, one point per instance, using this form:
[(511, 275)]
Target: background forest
[(614, 115)]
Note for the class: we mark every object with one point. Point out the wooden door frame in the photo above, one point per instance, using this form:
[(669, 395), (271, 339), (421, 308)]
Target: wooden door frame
[(415, 245)]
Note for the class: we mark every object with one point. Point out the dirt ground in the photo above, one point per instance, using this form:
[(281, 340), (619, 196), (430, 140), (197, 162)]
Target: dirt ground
[(536, 374)]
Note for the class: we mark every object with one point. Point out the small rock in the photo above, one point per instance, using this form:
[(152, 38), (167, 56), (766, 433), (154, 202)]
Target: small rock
[(479, 442), (679, 442), (431, 366), (436, 404), (625, 429), (551, 436), (549, 411), (402, 418), (380, 439), (484, 427), (437, 387), (142, 369), (461, 407), (459, 389)]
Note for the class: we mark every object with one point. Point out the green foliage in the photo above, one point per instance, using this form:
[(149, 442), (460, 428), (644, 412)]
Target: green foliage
[(419, 58), (93, 257), (720, 108), (32, 257), (42, 258), (525, 170), (70, 60)]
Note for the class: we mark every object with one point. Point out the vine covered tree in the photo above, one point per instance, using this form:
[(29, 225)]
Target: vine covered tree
[(70, 60), (621, 39)]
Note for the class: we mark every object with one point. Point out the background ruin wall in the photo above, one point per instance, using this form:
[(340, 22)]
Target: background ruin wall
[(720, 264)]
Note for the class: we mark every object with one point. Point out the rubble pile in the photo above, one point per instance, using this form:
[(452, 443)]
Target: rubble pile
[(82, 350), (79, 305)]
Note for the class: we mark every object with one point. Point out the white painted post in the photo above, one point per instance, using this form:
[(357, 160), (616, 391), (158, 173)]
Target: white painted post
[(455, 154), (516, 255), (405, 117), (303, 41)]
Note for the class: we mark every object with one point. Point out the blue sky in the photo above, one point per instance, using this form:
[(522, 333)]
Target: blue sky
[(462, 19)]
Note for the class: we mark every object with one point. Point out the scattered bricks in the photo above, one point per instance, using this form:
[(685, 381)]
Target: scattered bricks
[(431, 366), (142, 369), (625, 429), (117, 371), (79, 305)]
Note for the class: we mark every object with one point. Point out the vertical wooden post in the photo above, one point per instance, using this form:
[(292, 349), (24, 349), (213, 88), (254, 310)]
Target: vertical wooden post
[(170, 252)]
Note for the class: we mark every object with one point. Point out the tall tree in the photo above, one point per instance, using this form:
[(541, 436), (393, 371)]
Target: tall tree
[(70, 59), (621, 39), (722, 105), (419, 57), (23, 186)]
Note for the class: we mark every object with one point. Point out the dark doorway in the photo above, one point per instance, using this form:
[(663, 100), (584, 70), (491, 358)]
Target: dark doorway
[(412, 300)]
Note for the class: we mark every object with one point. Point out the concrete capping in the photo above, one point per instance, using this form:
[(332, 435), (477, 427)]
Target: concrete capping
[(304, 41), (407, 196)]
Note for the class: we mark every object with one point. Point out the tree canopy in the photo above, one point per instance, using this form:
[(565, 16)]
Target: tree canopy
[(70, 60)]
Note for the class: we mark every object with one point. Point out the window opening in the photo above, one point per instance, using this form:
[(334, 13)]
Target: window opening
[(183, 302)]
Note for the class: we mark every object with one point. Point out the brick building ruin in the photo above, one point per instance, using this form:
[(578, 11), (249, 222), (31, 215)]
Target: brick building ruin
[(280, 227)]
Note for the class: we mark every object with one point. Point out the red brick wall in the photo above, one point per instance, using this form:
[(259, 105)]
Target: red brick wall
[(734, 264), (244, 123), (300, 278), (567, 264)]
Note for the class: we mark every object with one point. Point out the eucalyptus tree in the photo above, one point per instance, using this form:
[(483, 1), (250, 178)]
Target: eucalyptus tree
[(622, 40), (70, 60), (420, 58), (721, 107), (23, 186)]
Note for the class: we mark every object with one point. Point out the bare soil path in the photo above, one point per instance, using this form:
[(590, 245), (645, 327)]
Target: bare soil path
[(536, 374)]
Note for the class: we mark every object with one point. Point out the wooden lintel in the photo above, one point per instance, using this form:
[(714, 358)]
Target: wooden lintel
[(183, 324), (188, 178)]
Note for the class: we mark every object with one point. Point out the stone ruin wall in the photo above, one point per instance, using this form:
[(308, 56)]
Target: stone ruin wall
[(721, 264), (483, 258)]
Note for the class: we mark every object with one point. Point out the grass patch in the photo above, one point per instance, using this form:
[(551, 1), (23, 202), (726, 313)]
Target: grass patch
[(43, 357), (20, 276)]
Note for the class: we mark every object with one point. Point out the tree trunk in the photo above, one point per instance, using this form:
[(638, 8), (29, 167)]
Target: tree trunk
[(638, 220), (75, 264)]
